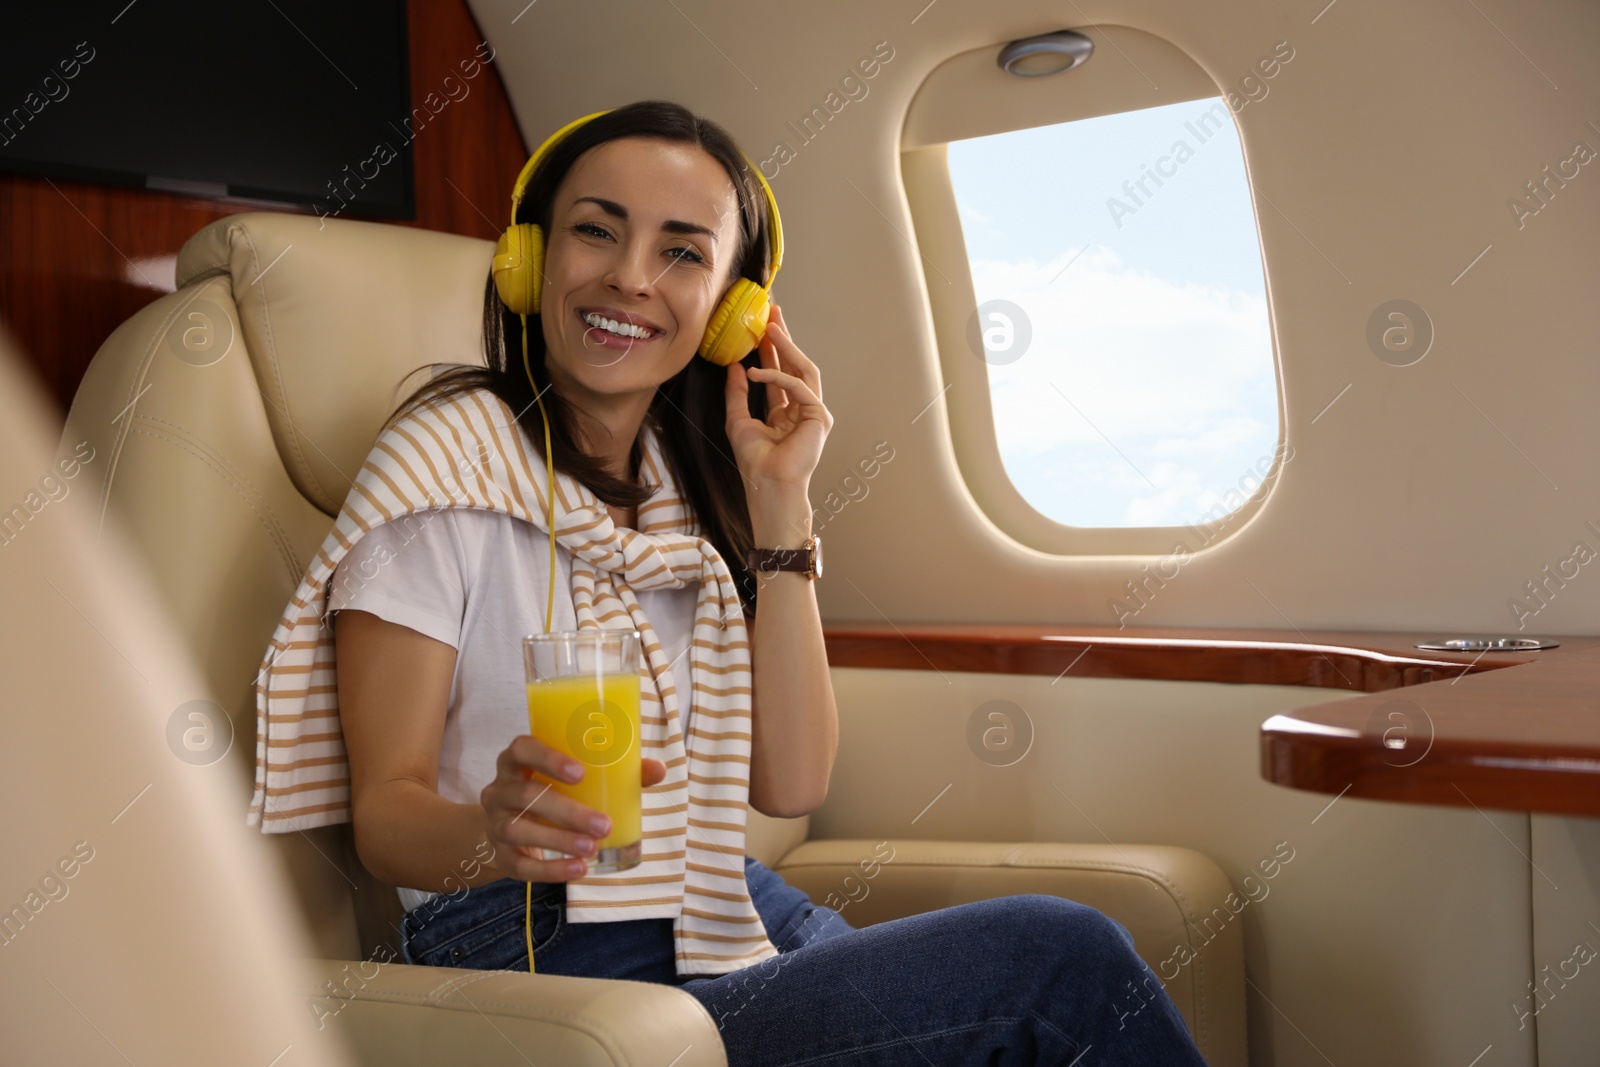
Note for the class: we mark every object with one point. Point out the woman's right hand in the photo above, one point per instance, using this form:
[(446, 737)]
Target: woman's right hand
[(513, 800)]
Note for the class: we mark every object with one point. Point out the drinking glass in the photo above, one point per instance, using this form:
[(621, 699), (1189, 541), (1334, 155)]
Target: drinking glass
[(583, 701)]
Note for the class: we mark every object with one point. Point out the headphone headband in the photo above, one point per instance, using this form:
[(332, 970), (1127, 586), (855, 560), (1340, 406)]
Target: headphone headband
[(521, 187)]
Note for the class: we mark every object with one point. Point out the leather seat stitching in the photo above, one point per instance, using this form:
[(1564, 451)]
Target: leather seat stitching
[(524, 1010), (141, 367), (274, 531), (235, 474)]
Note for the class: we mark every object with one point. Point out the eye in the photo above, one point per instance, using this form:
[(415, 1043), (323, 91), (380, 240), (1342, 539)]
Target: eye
[(689, 255)]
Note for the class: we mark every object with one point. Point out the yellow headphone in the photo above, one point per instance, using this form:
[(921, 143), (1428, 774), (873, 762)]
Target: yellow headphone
[(736, 327)]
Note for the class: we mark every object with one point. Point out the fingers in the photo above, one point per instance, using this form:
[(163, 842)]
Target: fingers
[(768, 349), (736, 391), (529, 753), (651, 771), (530, 808), (790, 354), (519, 844), (524, 813), (790, 386)]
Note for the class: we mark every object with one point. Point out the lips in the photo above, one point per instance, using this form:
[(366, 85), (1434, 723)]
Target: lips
[(620, 316), (596, 339)]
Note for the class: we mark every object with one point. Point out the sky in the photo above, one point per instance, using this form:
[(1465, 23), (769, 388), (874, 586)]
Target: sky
[(1146, 390)]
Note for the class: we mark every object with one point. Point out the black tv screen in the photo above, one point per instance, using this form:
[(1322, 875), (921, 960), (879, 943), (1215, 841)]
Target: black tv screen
[(283, 101)]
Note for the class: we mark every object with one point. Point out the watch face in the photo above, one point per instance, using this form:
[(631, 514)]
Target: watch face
[(816, 551)]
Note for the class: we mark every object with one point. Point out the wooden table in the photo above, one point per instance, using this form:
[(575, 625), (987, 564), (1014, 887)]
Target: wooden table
[(1512, 730)]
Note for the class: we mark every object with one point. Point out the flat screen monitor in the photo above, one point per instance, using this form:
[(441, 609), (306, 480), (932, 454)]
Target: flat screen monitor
[(285, 102)]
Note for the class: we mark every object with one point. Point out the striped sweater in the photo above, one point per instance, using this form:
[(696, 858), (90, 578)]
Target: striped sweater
[(469, 451)]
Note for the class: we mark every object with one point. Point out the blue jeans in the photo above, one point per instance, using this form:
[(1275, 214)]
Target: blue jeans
[(1026, 979)]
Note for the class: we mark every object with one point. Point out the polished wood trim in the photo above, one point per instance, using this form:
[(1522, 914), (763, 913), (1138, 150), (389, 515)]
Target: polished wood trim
[(1366, 662), (1520, 740), (80, 258), (1467, 731)]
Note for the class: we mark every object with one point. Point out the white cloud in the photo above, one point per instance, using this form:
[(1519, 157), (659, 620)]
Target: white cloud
[(1179, 378)]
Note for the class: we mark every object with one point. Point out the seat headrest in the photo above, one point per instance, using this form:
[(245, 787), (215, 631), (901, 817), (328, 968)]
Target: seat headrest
[(336, 315)]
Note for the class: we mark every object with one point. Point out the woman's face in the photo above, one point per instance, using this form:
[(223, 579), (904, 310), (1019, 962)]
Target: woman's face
[(641, 229)]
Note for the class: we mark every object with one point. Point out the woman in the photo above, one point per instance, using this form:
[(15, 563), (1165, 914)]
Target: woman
[(652, 214)]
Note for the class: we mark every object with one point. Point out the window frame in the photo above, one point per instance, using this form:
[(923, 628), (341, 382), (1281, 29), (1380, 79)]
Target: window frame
[(969, 96)]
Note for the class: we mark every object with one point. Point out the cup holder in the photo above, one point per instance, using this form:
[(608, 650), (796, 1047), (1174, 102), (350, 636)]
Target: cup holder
[(1488, 644)]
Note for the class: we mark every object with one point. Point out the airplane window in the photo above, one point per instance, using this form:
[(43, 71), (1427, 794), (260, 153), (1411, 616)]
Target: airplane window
[(1122, 312)]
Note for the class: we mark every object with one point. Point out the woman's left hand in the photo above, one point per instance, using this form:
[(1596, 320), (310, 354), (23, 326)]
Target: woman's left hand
[(783, 450)]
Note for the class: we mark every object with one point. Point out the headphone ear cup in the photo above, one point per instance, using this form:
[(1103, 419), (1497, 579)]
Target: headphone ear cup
[(738, 324), (519, 267)]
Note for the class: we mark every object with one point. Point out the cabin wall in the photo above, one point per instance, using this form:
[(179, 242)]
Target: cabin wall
[(79, 259), (1426, 497)]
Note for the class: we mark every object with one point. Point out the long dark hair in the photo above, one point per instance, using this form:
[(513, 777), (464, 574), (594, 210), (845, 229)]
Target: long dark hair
[(689, 410)]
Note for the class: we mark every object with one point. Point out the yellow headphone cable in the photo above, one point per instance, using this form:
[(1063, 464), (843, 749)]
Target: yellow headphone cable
[(734, 329), (550, 604)]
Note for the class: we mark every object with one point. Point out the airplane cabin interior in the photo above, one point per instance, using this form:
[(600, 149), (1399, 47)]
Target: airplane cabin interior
[(1192, 400)]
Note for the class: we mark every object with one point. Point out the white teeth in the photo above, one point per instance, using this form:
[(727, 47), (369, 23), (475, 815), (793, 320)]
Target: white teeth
[(621, 329)]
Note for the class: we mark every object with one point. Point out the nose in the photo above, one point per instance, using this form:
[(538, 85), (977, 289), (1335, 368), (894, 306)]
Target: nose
[(632, 272)]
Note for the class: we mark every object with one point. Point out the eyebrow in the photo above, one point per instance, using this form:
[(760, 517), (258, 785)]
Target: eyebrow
[(611, 207)]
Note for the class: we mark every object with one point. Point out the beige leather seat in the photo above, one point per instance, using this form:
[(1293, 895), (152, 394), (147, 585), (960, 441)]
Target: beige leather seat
[(229, 419), (137, 923)]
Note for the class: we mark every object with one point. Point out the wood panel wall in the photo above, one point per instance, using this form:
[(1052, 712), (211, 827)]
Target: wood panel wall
[(76, 258)]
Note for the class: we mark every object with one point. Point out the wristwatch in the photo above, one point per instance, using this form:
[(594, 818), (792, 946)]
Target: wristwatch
[(807, 559)]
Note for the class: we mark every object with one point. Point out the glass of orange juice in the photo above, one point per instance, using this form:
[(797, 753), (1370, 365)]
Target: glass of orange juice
[(583, 701)]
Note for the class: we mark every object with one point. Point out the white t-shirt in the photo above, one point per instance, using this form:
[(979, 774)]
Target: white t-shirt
[(477, 580)]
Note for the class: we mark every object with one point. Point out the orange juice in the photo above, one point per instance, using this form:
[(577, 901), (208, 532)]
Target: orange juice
[(595, 720)]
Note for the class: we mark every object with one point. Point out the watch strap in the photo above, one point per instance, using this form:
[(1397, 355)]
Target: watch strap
[(802, 560)]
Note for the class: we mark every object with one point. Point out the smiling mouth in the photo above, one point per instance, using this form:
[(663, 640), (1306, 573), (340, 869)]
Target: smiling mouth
[(617, 331), (602, 348)]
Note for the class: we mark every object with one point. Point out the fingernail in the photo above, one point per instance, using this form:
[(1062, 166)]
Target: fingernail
[(583, 844), (572, 771), (600, 824), (576, 868)]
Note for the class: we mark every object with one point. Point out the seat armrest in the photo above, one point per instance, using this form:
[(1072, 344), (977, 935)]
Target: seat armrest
[(395, 1014), (1174, 901)]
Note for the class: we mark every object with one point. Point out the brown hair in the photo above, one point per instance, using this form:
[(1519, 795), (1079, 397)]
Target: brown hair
[(689, 410)]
